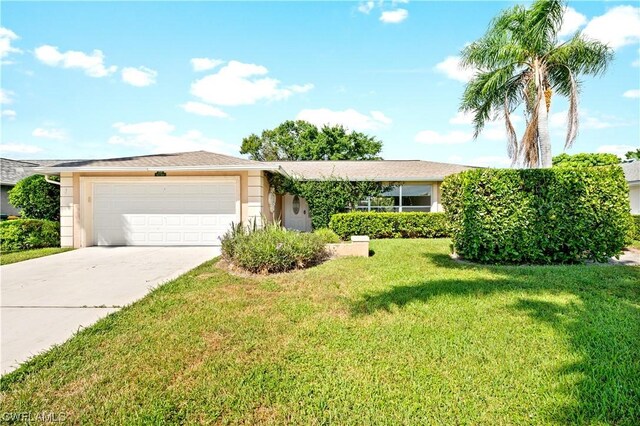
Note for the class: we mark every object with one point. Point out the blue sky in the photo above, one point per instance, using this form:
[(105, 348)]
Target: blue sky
[(90, 80)]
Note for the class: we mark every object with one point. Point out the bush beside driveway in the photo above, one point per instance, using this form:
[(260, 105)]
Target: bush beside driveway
[(405, 336)]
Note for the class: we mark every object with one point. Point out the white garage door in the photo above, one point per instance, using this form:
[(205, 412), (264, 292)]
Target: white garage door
[(164, 213)]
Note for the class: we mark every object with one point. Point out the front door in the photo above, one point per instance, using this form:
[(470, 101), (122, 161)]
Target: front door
[(296, 213)]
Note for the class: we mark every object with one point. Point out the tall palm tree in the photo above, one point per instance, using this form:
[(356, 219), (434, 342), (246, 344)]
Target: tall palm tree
[(520, 61)]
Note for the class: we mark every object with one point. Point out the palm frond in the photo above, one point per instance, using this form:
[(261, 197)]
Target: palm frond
[(512, 138), (572, 114), (581, 56), (543, 22)]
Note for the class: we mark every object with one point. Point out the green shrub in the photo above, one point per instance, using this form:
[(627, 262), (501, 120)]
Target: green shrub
[(272, 249), (327, 235), (557, 215), (37, 198), (585, 160), (390, 225), (25, 234)]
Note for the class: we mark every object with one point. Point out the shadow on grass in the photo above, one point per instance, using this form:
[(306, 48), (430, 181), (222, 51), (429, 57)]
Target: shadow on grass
[(602, 327)]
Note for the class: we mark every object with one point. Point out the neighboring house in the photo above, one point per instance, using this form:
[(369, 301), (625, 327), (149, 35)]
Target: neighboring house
[(192, 198), (12, 171), (632, 174)]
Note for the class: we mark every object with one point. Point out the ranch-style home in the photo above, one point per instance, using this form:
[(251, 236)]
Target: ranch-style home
[(191, 198)]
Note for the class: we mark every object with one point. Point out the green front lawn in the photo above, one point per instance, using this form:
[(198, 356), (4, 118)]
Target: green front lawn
[(19, 256), (406, 336)]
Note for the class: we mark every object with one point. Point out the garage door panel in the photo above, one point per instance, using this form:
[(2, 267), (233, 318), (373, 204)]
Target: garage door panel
[(164, 213)]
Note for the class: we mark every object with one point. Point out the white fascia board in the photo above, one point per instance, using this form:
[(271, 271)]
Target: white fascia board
[(57, 170)]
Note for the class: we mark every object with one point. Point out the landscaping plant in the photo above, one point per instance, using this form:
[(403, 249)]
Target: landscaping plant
[(25, 234), (272, 249), (521, 61), (37, 198), (557, 215), (390, 225)]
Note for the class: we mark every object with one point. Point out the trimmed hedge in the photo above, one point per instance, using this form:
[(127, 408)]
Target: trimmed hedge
[(542, 216), (390, 225), (25, 234), (272, 249)]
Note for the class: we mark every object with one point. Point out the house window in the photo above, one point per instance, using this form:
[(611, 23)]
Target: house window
[(400, 198), (416, 198)]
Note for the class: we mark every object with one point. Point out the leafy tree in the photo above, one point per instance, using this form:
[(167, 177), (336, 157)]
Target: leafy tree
[(633, 155), (520, 61), (300, 140), (584, 160), (37, 198)]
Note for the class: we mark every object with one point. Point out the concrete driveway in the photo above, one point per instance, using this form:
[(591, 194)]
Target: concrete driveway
[(45, 301)]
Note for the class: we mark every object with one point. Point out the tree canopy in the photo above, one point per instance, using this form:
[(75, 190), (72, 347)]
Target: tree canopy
[(633, 155), (585, 160), (300, 140), (520, 61), (37, 198)]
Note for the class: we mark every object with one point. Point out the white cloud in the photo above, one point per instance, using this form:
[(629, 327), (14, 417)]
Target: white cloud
[(394, 16), (9, 113), (366, 7), (572, 21), (6, 37), (462, 118), (491, 161), (454, 137), (349, 118), (49, 133), (5, 97), (634, 93), (493, 130), (18, 148), (139, 77), (199, 108), (452, 68), (619, 150), (92, 64), (238, 83), (618, 27), (587, 120), (204, 64), (159, 137)]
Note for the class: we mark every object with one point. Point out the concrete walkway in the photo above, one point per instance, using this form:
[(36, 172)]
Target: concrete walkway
[(45, 301)]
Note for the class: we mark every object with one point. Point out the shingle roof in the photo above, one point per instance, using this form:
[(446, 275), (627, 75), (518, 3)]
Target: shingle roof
[(200, 159), (11, 171), (631, 171), (382, 170)]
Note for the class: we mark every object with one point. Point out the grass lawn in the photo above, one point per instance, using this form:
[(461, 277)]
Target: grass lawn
[(406, 336), (19, 256)]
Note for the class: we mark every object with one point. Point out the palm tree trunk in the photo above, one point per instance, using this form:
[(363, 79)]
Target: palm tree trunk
[(544, 140)]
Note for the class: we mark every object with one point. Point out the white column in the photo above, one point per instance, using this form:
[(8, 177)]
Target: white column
[(66, 210), (255, 198)]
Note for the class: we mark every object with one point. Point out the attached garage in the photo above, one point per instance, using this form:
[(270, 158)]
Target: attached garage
[(174, 199), (162, 211)]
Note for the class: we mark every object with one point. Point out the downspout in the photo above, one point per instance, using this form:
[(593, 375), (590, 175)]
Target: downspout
[(46, 179)]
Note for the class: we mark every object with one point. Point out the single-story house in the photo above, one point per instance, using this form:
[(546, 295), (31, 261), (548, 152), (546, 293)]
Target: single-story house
[(632, 174), (191, 198), (12, 171)]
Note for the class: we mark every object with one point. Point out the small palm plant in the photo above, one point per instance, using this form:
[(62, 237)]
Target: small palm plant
[(520, 62)]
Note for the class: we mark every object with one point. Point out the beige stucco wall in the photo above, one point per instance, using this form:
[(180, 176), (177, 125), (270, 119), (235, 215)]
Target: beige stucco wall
[(634, 197), (73, 227)]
